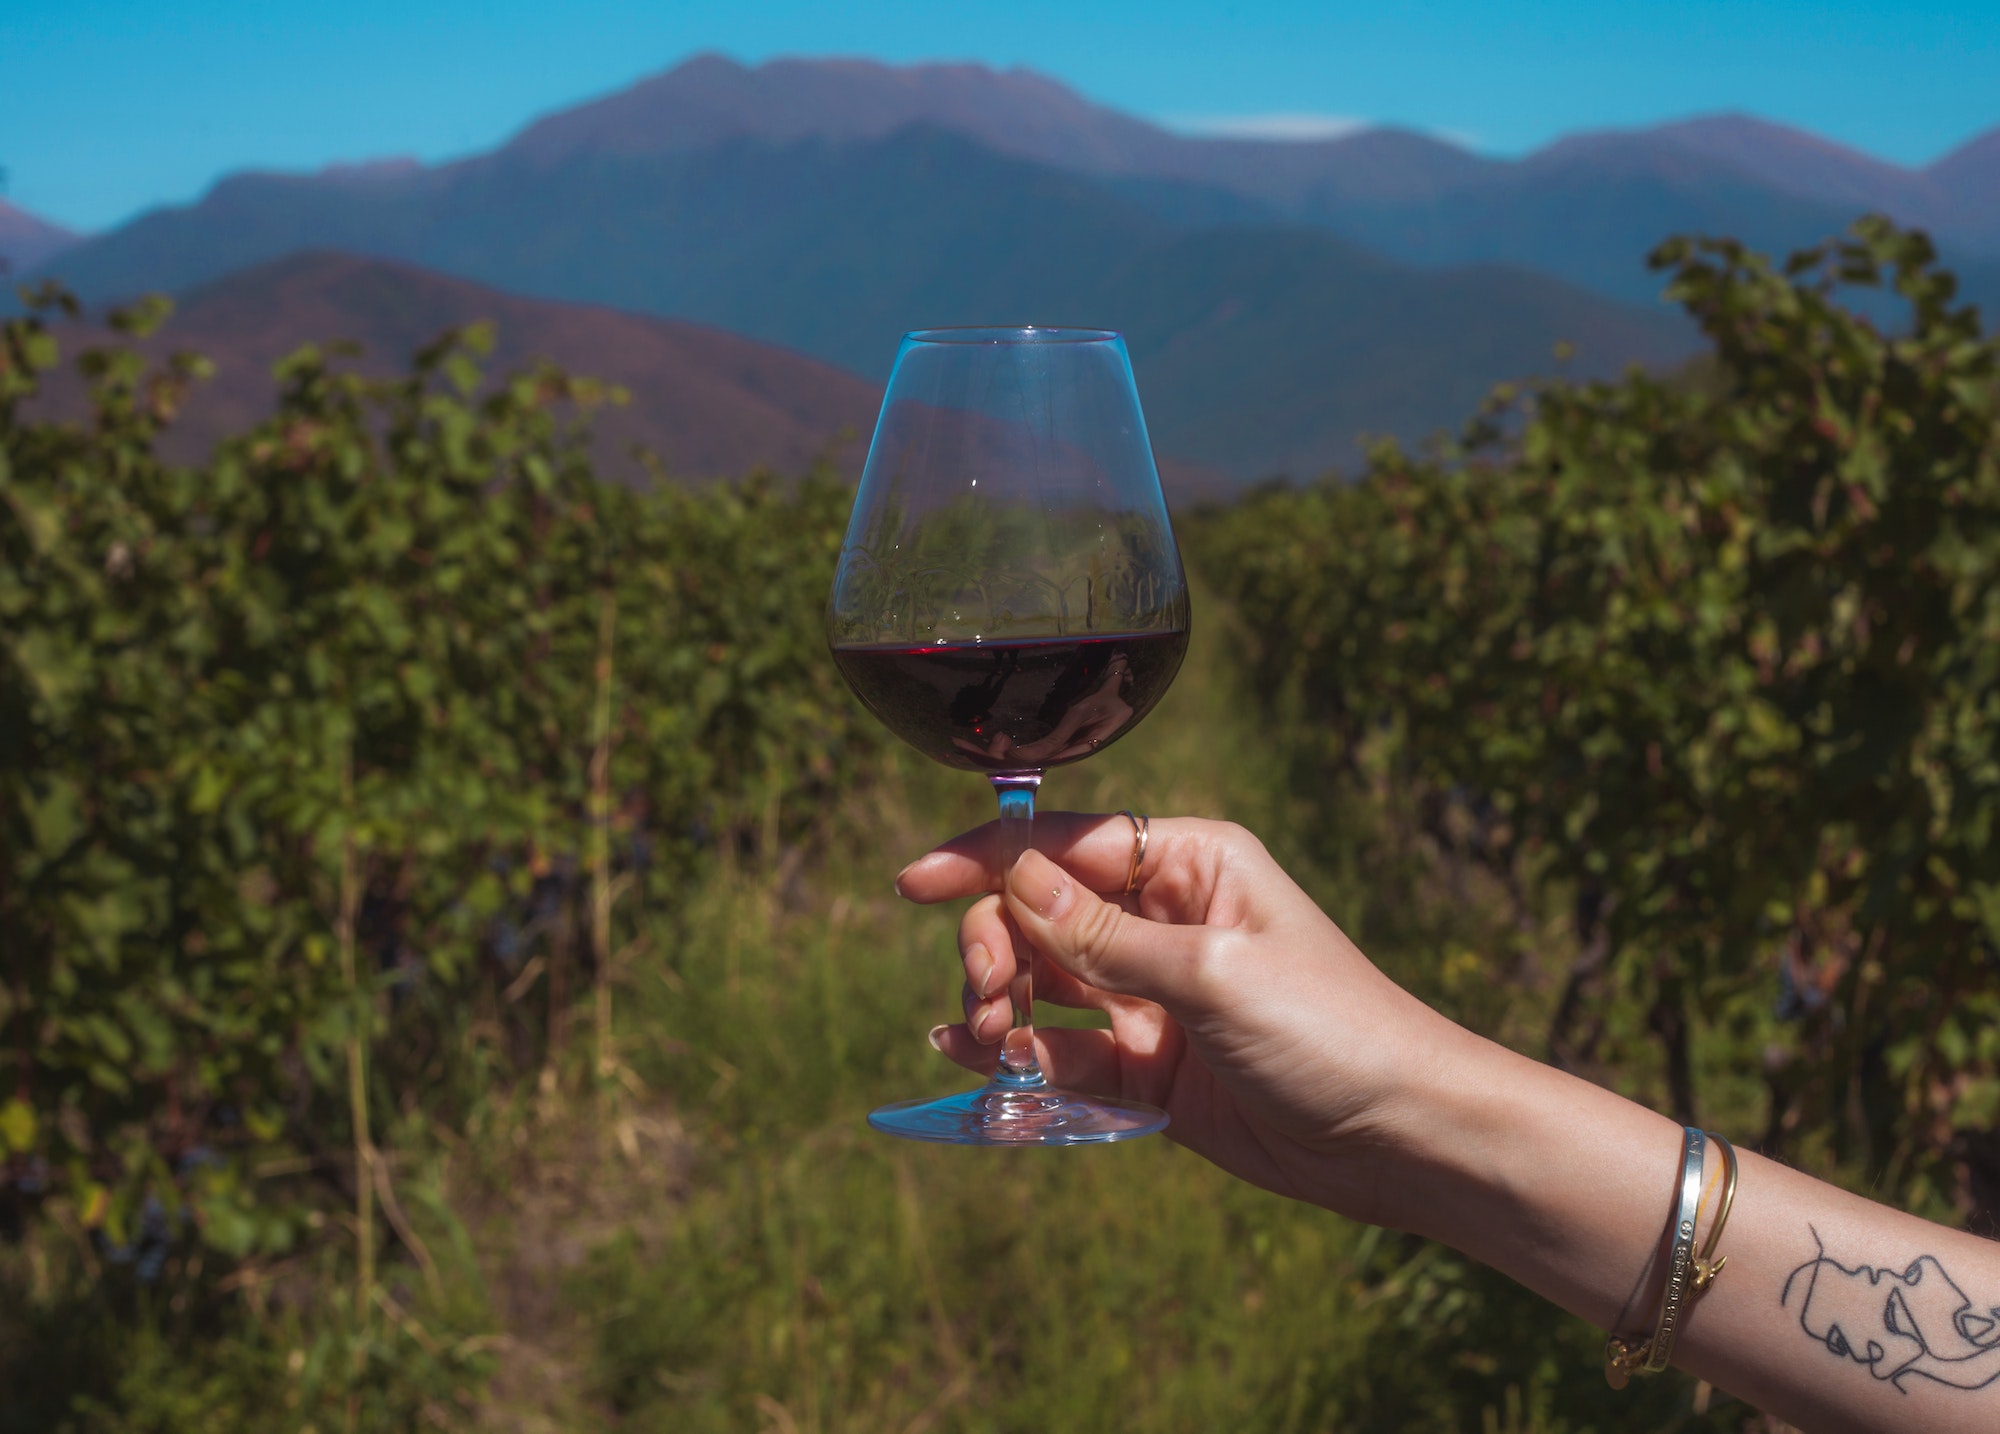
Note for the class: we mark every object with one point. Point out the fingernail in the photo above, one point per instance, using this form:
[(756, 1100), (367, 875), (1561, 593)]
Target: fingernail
[(990, 1026), (979, 967), (899, 878), (1043, 885), (936, 1037)]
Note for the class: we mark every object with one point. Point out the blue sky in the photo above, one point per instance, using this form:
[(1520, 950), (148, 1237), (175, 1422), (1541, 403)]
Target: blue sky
[(108, 107)]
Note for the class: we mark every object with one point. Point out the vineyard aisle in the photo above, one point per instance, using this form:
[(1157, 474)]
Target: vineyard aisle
[(545, 1191)]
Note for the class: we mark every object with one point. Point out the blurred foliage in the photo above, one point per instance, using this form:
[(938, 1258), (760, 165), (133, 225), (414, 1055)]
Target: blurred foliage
[(1704, 670), (336, 775)]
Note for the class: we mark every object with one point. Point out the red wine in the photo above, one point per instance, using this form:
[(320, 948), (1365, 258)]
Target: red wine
[(1015, 705)]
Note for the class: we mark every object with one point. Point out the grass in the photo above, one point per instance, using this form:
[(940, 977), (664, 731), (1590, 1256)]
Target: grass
[(810, 1276)]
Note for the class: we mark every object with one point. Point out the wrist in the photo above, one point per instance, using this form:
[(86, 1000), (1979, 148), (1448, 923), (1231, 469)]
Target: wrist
[(1555, 1181), (1441, 1138)]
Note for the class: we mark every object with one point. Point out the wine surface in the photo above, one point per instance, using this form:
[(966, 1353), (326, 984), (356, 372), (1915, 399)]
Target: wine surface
[(1018, 704)]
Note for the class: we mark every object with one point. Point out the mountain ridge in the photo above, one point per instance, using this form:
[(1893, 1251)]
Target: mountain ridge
[(1021, 112), (1370, 184), (1586, 208), (711, 97)]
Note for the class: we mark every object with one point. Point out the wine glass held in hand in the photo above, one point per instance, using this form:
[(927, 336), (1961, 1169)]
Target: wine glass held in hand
[(1009, 599)]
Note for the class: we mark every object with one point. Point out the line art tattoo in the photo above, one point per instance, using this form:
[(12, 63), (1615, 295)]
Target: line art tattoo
[(1913, 1324)]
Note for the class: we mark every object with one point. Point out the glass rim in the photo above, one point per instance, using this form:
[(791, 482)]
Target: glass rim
[(1012, 334)]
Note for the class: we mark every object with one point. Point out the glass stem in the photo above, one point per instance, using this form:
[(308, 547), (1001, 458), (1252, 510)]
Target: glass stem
[(1018, 1067)]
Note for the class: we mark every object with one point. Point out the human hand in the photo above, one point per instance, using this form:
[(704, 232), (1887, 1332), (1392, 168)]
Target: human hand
[(1235, 1004)]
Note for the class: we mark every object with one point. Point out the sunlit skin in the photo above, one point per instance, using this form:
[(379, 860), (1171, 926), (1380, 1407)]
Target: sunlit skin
[(1284, 1056)]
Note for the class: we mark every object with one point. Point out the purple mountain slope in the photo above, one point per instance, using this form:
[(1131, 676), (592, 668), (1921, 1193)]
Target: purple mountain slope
[(1957, 198), (1973, 167), (711, 98), (1970, 174), (708, 403), (26, 241), (1788, 160)]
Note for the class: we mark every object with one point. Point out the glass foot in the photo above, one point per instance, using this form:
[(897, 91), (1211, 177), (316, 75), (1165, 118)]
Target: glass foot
[(1017, 1110)]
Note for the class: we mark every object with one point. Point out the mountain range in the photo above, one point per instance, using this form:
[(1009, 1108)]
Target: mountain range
[(1280, 297), (712, 98)]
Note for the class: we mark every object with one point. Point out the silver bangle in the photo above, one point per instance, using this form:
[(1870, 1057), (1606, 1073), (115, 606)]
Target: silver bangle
[(1680, 1265), (1623, 1358)]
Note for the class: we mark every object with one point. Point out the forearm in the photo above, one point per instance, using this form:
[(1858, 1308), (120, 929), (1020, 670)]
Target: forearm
[(1833, 1312)]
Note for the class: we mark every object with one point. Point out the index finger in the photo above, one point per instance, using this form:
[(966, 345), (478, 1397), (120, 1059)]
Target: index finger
[(1094, 848)]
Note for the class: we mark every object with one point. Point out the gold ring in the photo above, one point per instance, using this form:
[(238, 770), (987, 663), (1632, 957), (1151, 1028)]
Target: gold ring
[(1142, 827)]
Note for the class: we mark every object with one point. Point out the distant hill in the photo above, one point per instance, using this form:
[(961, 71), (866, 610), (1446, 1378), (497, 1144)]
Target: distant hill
[(1780, 157), (26, 241), (1957, 198), (711, 98), (1570, 209), (1590, 216), (711, 404), (1971, 173), (836, 247), (1292, 344)]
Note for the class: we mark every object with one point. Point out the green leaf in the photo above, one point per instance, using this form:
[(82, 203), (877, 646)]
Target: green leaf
[(17, 1126)]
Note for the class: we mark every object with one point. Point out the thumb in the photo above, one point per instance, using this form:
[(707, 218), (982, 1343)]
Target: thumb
[(1101, 943)]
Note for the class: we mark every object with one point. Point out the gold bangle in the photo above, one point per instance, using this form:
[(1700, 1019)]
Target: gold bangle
[(1708, 1266)]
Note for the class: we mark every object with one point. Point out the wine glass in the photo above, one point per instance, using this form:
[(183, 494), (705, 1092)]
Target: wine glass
[(1010, 598)]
